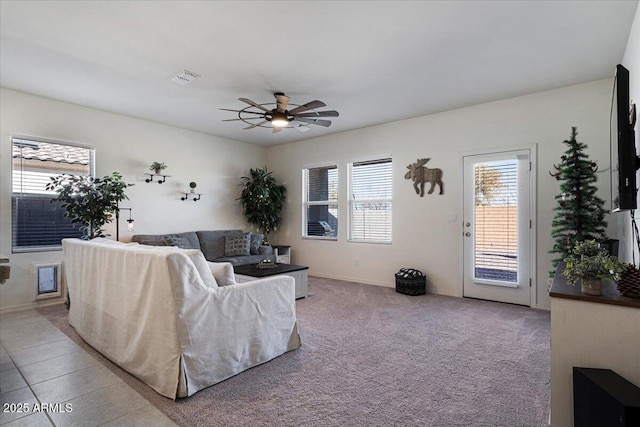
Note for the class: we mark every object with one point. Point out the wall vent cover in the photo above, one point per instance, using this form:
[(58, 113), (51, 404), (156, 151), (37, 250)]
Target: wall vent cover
[(184, 77)]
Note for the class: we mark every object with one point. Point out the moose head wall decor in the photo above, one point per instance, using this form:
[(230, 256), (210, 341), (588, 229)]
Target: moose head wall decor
[(420, 174)]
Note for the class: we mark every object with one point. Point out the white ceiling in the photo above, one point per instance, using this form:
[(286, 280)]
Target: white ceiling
[(373, 61)]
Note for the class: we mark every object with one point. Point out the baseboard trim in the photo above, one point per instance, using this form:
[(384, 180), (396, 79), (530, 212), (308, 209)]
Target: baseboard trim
[(373, 282), (352, 279), (29, 306), (15, 308)]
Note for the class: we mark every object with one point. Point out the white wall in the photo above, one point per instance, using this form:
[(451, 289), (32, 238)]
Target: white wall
[(126, 145), (423, 237), (631, 61)]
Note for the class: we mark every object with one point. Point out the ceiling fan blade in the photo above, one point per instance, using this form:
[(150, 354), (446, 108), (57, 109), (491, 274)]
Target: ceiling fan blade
[(242, 111), (325, 123), (331, 113), (308, 106), (281, 101), (255, 125), (255, 104), (245, 118), (276, 129)]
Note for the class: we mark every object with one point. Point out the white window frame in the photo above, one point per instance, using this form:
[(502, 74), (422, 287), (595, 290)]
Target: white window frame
[(352, 201), (306, 203)]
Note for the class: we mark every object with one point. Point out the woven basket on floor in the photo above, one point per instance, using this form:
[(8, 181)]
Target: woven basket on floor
[(410, 281), (629, 283), (411, 287)]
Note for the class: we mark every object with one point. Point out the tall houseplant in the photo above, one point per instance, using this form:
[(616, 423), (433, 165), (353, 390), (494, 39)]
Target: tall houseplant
[(88, 201), (262, 200)]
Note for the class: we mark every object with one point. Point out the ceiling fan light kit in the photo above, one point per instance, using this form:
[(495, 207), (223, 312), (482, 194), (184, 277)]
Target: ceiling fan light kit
[(279, 117), (279, 120)]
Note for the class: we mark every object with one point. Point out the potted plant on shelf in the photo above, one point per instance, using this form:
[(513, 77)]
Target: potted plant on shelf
[(262, 200), (88, 201), (590, 263), (157, 167)]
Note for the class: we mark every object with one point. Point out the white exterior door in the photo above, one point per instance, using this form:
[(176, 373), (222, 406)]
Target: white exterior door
[(497, 227)]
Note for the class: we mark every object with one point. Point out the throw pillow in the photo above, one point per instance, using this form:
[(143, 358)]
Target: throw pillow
[(256, 241), (238, 245), (223, 273), (180, 242), (266, 250), (202, 266)]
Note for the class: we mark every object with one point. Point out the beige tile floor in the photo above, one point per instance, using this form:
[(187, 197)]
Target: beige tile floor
[(40, 367)]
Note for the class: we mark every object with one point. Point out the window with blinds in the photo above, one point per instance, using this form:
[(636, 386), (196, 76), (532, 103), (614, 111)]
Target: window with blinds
[(370, 196), (38, 221), (496, 221), (320, 202)]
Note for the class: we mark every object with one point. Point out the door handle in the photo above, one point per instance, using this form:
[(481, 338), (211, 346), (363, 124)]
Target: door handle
[(468, 224), (467, 234)]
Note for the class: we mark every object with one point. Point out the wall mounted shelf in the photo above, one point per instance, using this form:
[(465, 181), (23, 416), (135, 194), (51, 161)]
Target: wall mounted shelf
[(161, 178), (191, 195)]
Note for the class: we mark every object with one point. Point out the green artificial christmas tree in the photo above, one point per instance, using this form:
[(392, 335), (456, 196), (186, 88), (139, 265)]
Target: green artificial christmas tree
[(580, 213)]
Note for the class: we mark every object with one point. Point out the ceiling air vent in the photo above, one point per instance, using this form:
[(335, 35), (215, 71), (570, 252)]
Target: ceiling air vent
[(184, 77)]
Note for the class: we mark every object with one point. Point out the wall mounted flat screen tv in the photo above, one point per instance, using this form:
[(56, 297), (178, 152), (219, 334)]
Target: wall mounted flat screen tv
[(623, 146)]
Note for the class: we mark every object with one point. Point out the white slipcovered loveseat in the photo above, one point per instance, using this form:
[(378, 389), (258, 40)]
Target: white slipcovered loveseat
[(159, 313)]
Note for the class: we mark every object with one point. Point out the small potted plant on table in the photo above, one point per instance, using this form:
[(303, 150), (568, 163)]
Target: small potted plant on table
[(590, 263)]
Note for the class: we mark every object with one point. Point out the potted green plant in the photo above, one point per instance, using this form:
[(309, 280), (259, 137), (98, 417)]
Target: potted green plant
[(262, 200), (192, 186), (88, 201), (590, 263), (157, 167)]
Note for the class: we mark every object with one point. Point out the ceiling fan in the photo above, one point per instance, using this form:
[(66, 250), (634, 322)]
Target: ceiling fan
[(278, 118)]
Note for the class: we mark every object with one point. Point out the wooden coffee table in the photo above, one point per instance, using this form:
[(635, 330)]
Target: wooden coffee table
[(245, 273)]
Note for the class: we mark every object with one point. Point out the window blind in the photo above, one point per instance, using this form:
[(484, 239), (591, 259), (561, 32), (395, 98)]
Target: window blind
[(496, 221), (38, 221), (371, 190), (320, 204)]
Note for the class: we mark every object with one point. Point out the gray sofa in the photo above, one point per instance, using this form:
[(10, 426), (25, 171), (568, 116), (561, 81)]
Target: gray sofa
[(212, 243)]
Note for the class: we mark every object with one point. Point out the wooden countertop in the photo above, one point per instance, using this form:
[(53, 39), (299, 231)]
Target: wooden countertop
[(610, 295)]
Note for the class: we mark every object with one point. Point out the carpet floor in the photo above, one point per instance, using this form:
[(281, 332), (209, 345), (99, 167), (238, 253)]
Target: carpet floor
[(373, 357)]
